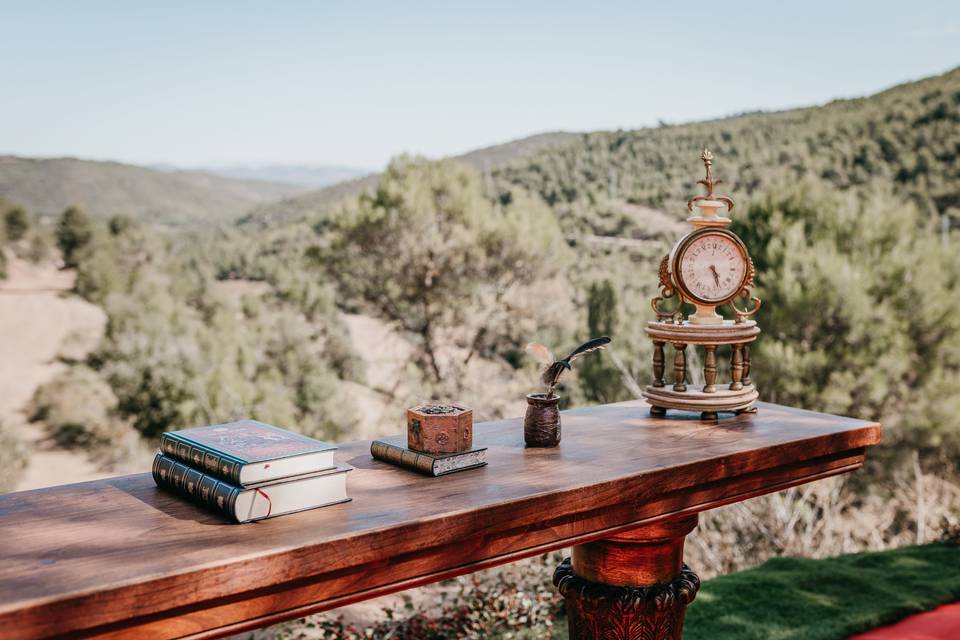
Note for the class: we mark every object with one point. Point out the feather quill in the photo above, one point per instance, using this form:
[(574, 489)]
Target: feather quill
[(551, 374), (543, 355), (588, 347)]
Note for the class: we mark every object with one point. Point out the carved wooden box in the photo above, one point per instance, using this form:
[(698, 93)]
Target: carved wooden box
[(440, 428)]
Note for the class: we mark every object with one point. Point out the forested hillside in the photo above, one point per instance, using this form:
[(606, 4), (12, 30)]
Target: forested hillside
[(179, 198), (905, 137)]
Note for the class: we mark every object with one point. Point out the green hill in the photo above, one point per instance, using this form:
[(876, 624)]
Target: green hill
[(907, 137), (175, 198)]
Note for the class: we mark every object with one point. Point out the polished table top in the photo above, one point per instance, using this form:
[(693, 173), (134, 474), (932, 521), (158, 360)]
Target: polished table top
[(120, 557)]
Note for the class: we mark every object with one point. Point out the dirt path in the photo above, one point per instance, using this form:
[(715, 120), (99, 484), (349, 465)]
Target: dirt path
[(40, 322)]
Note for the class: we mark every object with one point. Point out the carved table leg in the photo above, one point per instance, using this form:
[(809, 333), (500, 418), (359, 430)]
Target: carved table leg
[(633, 586), (658, 362), (680, 367)]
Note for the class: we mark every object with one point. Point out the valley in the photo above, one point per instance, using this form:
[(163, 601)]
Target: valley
[(184, 199)]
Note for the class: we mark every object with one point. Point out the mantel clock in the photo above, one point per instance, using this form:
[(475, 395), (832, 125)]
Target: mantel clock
[(708, 268)]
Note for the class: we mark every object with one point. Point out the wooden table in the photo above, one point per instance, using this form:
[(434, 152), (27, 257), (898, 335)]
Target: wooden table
[(120, 558)]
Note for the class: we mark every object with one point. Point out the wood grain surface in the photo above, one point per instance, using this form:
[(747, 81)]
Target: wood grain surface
[(120, 558)]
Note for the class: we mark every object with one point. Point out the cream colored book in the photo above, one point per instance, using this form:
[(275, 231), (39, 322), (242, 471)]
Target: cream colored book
[(256, 501)]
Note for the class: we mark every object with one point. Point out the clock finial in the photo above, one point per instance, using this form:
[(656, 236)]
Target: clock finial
[(709, 183)]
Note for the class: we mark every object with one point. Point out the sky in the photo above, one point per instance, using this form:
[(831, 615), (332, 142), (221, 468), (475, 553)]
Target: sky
[(354, 83)]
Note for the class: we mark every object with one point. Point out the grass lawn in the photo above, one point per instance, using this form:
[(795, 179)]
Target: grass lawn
[(800, 599)]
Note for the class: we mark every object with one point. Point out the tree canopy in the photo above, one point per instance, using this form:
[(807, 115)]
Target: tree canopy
[(74, 232), (861, 312), (430, 252)]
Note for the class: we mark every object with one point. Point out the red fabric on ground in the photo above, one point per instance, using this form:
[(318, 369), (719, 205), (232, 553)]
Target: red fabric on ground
[(943, 623)]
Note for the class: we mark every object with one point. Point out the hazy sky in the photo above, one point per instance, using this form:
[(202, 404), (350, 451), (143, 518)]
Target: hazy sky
[(353, 83)]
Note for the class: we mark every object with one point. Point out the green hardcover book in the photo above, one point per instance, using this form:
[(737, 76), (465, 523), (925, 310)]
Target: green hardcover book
[(394, 450), (263, 500), (247, 452)]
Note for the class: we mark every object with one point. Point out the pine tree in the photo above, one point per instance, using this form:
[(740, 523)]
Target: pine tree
[(74, 232)]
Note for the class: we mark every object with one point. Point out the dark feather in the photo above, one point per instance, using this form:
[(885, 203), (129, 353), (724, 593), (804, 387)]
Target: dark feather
[(587, 347), (551, 375)]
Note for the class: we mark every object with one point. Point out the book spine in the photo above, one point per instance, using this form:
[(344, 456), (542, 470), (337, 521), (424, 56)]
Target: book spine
[(402, 457), (201, 488), (221, 465)]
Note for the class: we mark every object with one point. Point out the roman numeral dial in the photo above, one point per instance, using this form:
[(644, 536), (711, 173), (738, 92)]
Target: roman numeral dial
[(711, 266)]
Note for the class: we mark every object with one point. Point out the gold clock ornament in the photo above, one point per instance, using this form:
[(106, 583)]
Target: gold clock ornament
[(710, 267)]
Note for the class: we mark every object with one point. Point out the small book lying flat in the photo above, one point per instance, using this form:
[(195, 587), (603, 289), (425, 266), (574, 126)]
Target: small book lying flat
[(246, 452), (258, 501), (393, 449)]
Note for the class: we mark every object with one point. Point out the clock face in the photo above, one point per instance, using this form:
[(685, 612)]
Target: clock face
[(712, 267)]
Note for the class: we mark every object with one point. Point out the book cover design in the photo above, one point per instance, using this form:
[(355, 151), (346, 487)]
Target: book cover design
[(190, 483), (249, 441), (393, 450)]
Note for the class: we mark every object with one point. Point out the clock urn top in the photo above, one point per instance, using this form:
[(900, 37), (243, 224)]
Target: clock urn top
[(709, 204)]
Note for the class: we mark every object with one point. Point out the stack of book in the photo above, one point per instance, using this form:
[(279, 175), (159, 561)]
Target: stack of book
[(249, 470)]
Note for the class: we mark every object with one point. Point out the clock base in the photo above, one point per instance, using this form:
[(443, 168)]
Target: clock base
[(705, 314), (694, 399), (727, 332)]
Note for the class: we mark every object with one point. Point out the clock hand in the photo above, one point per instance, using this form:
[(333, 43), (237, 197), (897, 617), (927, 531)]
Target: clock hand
[(716, 276)]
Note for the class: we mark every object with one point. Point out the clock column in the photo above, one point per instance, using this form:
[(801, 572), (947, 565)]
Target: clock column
[(710, 369), (679, 367), (736, 368)]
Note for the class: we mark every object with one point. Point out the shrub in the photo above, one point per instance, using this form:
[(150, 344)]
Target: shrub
[(99, 272), (78, 408), (13, 459), (119, 224), (41, 243), (515, 601), (74, 232), (16, 223)]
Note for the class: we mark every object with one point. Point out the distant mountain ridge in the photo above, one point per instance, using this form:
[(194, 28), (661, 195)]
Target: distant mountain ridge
[(47, 186), (304, 175), (485, 160)]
